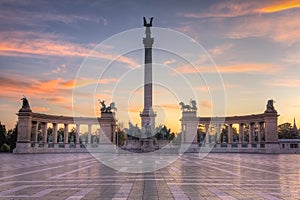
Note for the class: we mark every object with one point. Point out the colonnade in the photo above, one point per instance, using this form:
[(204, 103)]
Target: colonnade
[(28, 126), (55, 137), (262, 129)]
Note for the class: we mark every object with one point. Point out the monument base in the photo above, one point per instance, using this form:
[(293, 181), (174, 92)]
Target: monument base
[(147, 145), (23, 147)]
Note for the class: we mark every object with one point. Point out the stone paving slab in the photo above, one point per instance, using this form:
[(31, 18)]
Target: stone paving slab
[(216, 176)]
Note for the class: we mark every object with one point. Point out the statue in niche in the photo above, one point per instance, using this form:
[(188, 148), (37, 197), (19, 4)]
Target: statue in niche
[(40, 138), (50, 139), (224, 139), (83, 140), (94, 140), (72, 139), (201, 138), (148, 24), (60, 138), (234, 138)]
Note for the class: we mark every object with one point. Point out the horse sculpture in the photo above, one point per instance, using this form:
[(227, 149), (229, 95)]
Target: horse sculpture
[(109, 108), (191, 107)]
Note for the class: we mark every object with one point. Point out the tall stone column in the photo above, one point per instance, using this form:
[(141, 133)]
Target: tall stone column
[(66, 133), (148, 115), (241, 133), (229, 133), (54, 129)]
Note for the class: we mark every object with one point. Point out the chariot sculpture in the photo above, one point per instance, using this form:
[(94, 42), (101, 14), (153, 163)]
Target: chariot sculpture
[(189, 107)]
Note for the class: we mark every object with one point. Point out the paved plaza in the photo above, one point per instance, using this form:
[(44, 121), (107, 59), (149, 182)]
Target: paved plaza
[(217, 176)]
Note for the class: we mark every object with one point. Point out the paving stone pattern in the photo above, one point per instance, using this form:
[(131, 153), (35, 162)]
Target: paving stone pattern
[(217, 176)]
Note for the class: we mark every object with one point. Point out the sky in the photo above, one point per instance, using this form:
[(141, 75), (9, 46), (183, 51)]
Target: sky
[(230, 56)]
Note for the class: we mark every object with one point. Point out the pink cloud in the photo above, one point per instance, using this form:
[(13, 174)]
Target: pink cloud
[(234, 68), (28, 43)]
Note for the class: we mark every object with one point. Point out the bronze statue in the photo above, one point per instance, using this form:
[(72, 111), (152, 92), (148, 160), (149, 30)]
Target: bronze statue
[(148, 24), (25, 103)]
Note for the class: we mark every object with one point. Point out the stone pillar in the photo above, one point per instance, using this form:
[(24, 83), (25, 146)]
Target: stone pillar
[(229, 133), (260, 124), (207, 133), (190, 121), (35, 127), (24, 131), (218, 133), (251, 132), (77, 133), (89, 133), (107, 124), (54, 129), (44, 132), (66, 133), (271, 133), (114, 134), (241, 133)]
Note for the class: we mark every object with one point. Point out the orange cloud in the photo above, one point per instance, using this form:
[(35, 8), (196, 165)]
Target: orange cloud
[(280, 5), (205, 104), (221, 49), (217, 87), (287, 82), (40, 109)]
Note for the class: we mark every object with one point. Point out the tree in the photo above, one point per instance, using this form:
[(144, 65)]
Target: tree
[(2, 135), (286, 131), (12, 137), (164, 133), (120, 136)]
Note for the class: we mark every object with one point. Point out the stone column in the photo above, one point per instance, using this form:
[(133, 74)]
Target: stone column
[(89, 133), (251, 133), (66, 133), (35, 127), (219, 133), (259, 132), (207, 133), (44, 132), (241, 133), (183, 137), (54, 129), (229, 133), (77, 133)]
